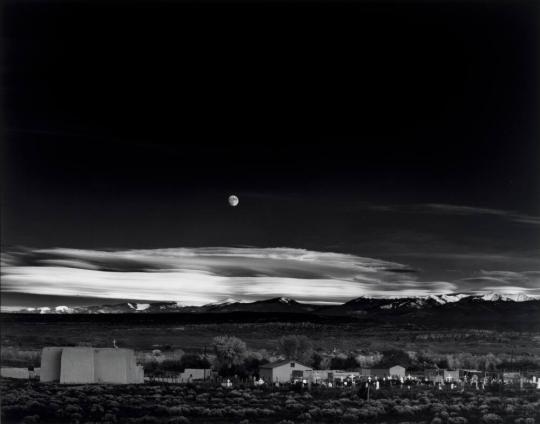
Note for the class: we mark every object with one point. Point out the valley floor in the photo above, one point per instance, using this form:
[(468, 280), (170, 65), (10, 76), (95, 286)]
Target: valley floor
[(192, 403)]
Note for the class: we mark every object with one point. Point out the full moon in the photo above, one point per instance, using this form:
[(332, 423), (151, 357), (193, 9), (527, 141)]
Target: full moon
[(233, 200)]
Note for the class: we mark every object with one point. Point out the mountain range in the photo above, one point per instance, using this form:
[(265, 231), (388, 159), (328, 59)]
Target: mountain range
[(358, 306)]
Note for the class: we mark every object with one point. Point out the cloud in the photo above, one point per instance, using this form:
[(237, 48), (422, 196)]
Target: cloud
[(462, 210), (204, 275), (196, 276), (503, 281), (470, 210)]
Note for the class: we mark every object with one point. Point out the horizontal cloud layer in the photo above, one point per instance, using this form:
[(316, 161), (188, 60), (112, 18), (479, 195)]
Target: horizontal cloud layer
[(197, 276), (446, 209)]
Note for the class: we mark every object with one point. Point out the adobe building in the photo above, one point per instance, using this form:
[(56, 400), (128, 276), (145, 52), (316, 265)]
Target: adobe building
[(282, 371), (434, 375), (87, 365), (396, 372), (451, 375)]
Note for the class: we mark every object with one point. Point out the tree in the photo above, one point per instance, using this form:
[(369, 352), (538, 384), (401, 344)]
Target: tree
[(296, 347), (316, 361), (348, 363), (194, 361), (229, 350), (395, 357)]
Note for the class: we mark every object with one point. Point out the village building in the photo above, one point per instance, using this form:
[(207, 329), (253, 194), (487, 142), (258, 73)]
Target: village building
[(451, 375), (317, 376), (343, 375), (434, 375), (87, 365), (511, 377), (396, 372), (283, 371)]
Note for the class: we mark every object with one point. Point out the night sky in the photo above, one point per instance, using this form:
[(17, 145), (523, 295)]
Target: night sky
[(403, 136)]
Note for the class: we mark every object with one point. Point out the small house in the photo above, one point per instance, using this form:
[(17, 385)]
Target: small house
[(282, 371), (511, 377), (451, 375), (317, 376), (397, 371), (434, 375)]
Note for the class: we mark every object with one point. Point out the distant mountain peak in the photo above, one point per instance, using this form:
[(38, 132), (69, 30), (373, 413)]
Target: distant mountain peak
[(227, 301), (505, 297), (63, 309), (282, 300), (286, 300), (139, 306)]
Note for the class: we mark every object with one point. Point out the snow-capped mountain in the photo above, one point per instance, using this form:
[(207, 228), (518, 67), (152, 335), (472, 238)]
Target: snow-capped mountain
[(361, 305), (139, 306), (517, 297)]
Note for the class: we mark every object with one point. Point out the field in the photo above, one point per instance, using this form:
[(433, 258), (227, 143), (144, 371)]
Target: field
[(33, 332), (53, 403), (178, 341)]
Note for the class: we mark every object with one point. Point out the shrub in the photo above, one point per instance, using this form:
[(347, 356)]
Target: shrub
[(178, 420), (457, 420), (491, 419)]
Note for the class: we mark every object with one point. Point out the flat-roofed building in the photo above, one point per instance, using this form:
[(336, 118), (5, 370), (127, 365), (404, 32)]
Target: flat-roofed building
[(86, 365), (451, 375), (282, 371), (397, 371)]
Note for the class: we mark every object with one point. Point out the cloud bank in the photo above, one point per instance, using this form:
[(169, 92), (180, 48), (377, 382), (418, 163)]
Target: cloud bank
[(197, 276)]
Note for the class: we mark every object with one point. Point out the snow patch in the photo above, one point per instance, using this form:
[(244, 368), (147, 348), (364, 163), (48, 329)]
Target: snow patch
[(63, 309), (514, 297)]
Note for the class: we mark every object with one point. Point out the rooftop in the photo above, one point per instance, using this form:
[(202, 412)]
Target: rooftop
[(280, 363)]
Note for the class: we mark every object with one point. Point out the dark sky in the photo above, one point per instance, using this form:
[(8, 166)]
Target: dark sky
[(355, 127)]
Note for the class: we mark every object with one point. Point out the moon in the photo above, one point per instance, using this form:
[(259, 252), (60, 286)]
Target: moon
[(233, 200)]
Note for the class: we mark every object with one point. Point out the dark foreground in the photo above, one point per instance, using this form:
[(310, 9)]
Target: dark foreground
[(53, 403)]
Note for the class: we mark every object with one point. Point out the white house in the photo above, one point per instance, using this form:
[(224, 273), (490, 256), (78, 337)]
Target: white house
[(397, 371), (282, 371)]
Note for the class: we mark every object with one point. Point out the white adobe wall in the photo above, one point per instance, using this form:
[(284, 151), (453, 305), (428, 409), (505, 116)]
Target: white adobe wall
[(17, 372), (77, 365), (83, 365), (111, 365), (50, 364), (138, 378), (283, 373), (135, 373), (397, 371)]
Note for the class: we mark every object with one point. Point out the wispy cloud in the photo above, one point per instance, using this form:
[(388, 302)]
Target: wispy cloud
[(203, 275), (470, 210), (197, 276), (503, 281), (462, 210)]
